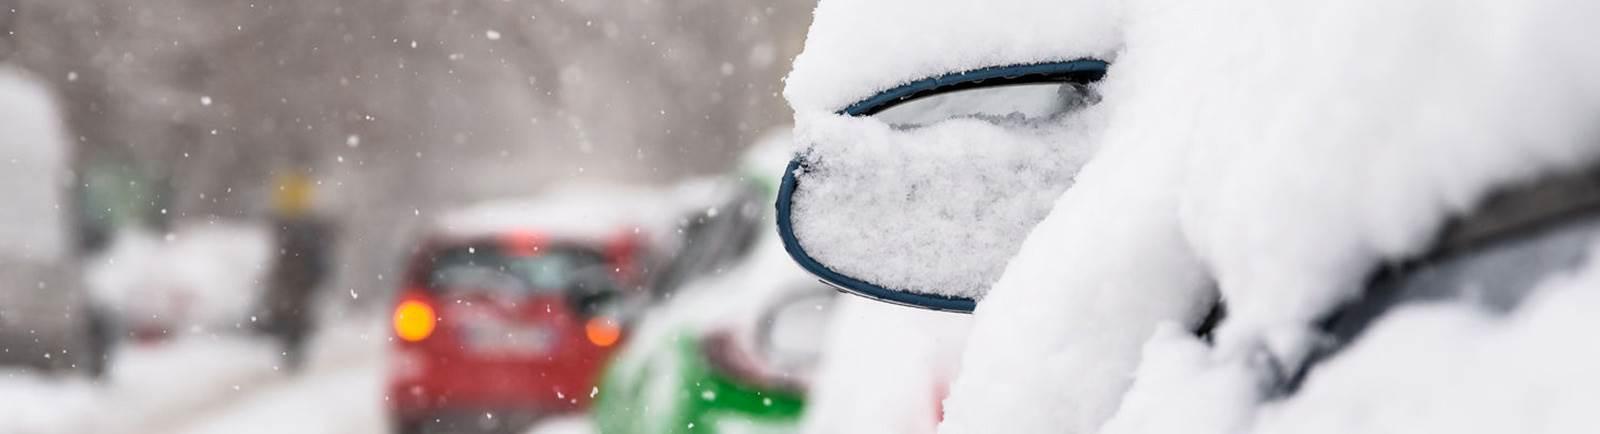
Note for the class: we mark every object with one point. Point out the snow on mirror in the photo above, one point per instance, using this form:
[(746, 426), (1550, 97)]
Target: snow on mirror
[(1019, 102), (921, 194)]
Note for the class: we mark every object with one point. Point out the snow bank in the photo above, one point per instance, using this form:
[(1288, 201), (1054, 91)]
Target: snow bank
[(855, 49), (1281, 150), (937, 209), (1443, 367)]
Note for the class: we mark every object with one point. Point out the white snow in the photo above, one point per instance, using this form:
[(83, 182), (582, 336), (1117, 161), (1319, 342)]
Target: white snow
[(33, 167), (1055, 339), (972, 190), (34, 404), (884, 370), (201, 277), (565, 425), (855, 48), (590, 213), (1277, 150), (340, 391), (937, 209), (581, 212), (1442, 367), (222, 383)]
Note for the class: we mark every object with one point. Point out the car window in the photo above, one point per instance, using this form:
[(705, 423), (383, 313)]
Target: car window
[(466, 270)]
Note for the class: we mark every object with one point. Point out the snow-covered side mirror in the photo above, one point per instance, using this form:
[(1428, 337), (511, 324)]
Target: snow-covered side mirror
[(919, 195), (791, 333)]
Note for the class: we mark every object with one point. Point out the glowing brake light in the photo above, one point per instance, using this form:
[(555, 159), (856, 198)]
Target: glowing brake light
[(603, 332), (414, 320)]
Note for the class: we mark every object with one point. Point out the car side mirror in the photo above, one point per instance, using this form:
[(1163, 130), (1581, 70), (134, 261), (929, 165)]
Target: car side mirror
[(791, 333), (921, 194), (594, 292)]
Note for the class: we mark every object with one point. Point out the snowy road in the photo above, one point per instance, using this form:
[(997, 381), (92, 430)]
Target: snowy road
[(211, 384)]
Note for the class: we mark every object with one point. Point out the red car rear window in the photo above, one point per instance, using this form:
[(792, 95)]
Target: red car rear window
[(489, 270)]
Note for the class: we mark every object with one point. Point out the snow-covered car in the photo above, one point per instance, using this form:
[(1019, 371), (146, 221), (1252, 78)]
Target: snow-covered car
[(1528, 248), (202, 278), (927, 149), (1273, 154), (1316, 166), (37, 283)]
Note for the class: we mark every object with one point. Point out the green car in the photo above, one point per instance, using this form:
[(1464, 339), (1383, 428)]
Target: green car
[(684, 390), (732, 356), (733, 350)]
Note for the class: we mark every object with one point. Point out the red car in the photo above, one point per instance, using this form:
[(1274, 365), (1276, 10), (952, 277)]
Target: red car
[(495, 332)]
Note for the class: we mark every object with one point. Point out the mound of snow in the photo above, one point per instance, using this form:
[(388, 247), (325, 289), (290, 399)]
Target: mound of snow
[(938, 209), (1443, 367), (1279, 151), (203, 274), (855, 49)]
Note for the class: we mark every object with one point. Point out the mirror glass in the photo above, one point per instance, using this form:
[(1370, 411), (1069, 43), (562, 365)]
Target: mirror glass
[(928, 211)]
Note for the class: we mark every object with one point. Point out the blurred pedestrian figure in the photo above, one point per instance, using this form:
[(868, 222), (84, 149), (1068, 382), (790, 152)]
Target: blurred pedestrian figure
[(304, 241)]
